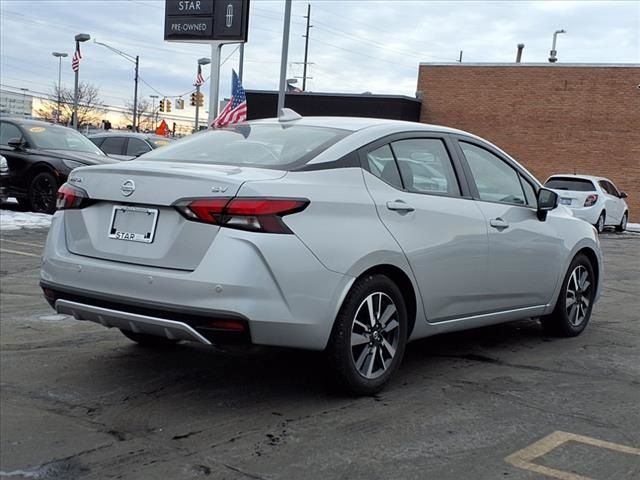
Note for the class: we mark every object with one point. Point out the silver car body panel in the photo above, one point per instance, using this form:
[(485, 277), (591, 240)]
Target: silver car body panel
[(290, 288)]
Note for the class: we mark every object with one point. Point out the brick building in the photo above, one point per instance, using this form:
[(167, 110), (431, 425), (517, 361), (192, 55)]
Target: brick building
[(553, 118)]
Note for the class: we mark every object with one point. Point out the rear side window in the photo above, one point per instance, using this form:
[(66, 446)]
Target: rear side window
[(425, 166), (573, 184), (137, 147), (609, 188), (266, 145), (97, 141), (113, 145), (383, 165)]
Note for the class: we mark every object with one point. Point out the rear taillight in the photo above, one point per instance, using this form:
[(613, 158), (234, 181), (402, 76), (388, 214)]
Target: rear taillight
[(70, 196), (253, 214), (591, 200)]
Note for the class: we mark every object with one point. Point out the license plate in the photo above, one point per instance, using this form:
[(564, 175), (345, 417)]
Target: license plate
[(565, 201), (134, 224)]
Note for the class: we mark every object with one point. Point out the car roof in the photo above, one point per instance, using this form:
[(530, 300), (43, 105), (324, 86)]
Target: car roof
[(121, 134), (577, 176), (29, 121), (360, 123)]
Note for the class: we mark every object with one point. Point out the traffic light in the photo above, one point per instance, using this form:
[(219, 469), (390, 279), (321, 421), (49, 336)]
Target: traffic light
[(161, 105), (179, 104), (194, 97), (168, 105), (200, 100)]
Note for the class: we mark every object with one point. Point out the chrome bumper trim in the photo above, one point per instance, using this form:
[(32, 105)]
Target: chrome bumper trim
[(130, 321)]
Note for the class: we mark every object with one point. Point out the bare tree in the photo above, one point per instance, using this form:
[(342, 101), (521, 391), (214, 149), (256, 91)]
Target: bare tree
[(144, 115), (90, 106)]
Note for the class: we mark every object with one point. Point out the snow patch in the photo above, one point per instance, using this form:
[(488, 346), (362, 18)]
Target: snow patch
[(11, 220), (633, 227)]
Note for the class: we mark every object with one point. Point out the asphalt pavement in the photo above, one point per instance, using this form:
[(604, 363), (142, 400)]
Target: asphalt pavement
[(78, 401)]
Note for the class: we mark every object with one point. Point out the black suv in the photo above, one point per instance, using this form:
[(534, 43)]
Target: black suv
[(40, 157)]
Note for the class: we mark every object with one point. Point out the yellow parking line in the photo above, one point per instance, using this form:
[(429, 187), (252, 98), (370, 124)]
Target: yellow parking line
[(21, 243), (5, 250), (524, 458)]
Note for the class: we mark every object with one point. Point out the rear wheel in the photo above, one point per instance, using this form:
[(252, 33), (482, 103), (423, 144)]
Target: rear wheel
[(369, 337), (42, 193), (623, 223), (574, 305), (600, 223), (146, 340)]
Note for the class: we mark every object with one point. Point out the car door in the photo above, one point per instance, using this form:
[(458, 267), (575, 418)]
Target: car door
[(420, 200), (612, 203), (136, 147), (524, 252), (115, 147)]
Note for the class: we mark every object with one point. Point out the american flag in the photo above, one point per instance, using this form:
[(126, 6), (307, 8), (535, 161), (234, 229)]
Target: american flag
[(236, 110), (199, 78), (75, 61)]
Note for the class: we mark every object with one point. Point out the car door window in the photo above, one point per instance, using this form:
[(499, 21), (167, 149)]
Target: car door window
[(495, 180), (529, 192), (137, 147), (612, 189), (8, 131), (113, 145), (382, 164), (97, 141), (425, 166)]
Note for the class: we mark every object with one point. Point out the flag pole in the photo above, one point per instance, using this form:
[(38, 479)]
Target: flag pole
[(285, 53), (214, 86)]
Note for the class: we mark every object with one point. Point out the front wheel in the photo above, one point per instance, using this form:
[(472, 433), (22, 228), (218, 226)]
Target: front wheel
[(623, 223), (42, 193), (369, 337), (574, 305)]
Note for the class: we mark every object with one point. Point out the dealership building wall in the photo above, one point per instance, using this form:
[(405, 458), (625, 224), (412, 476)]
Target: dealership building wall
[(553, 118)]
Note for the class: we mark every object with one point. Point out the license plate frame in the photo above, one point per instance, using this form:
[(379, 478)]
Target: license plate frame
[(565, 201), (133, 236)]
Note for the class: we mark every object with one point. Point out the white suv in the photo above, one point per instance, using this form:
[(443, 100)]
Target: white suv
[(594, 199)]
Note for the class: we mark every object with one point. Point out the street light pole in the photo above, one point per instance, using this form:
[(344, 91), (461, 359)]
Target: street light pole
[(136, 61), (81, 37), (201, 63), (283, 58), (60, 56)]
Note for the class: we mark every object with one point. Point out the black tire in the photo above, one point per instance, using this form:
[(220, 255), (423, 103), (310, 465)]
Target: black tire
[(371, 348), (43, 192), (623, 223), (600, 222), (562, 322), (146, 340)]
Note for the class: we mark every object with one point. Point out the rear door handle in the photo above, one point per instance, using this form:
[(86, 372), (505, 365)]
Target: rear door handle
[(400, 206), (498, 223)]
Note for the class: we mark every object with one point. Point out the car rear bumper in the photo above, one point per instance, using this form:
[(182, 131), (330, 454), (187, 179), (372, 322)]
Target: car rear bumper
[(272, 282), (588, 214)]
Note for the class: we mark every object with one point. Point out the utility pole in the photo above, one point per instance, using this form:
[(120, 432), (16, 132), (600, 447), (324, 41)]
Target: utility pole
[(306, 48), (136, 125), (241, 62), (202, 62), (153, 110)]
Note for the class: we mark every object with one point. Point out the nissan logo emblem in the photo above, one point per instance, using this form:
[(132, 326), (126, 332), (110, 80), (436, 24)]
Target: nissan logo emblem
[(128, 188)]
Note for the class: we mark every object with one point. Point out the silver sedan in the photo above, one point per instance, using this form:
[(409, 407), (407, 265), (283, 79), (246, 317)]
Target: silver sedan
[(348, 235)]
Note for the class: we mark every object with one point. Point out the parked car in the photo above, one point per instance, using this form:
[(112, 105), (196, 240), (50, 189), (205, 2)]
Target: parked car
[(312, 233), (593, 199), (40, 157), (127, 145), (4, 179)]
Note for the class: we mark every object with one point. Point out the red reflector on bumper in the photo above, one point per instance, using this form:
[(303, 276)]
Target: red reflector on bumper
[(230, 325)]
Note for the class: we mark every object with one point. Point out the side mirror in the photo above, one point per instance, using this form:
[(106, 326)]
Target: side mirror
[(623, 195), (17, 143), (547, 201)]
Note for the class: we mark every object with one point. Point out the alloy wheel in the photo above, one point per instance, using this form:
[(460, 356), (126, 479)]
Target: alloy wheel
[(375, 335), (601, 223), (43, 194), (578, 297)]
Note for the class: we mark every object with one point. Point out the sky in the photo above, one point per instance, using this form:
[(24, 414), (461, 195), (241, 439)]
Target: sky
[(354, 45)]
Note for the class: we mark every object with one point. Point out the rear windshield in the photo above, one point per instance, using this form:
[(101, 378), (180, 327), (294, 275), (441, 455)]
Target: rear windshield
[(260, 145), (574, 184)]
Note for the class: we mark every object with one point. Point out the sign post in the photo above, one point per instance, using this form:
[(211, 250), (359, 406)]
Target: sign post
[(216, 22)]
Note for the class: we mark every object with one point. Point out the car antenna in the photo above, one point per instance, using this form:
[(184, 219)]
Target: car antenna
[(288, 115)]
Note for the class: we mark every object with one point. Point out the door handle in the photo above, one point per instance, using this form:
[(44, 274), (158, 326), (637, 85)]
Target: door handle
[(498, 223), (400, 206)]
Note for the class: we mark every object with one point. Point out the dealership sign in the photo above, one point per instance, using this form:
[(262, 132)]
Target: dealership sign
[(224, 21)]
